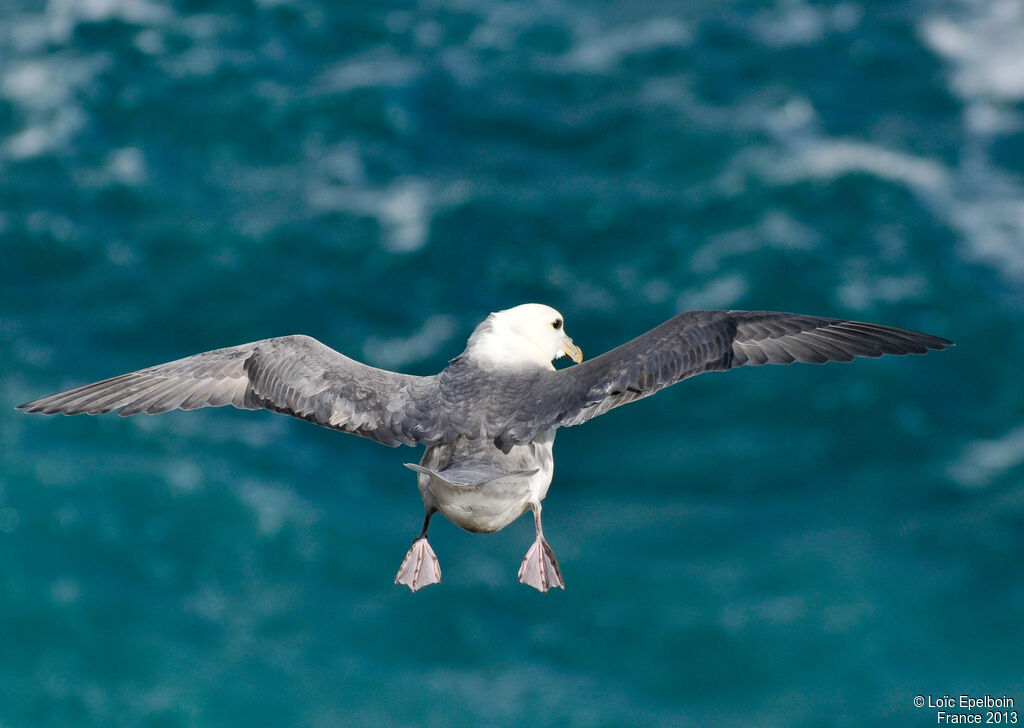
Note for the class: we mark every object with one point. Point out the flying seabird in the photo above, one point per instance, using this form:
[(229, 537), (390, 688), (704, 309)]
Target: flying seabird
[(488, 420)]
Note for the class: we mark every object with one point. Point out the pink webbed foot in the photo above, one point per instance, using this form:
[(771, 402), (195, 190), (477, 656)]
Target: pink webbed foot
[(420, 567), (540, 568)]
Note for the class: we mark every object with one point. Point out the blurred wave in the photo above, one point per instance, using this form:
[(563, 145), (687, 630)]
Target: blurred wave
[(800, 546)]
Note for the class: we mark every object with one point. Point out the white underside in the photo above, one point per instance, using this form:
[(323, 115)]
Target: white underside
[(492, 505)]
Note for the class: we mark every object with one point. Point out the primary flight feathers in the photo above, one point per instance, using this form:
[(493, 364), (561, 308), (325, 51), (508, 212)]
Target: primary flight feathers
[(299, 376), (489, 418)]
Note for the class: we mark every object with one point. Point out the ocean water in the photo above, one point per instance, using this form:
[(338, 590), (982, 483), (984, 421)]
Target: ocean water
[(789, 546)]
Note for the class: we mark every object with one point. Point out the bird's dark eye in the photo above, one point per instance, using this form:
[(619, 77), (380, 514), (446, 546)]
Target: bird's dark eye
[(556, 324)]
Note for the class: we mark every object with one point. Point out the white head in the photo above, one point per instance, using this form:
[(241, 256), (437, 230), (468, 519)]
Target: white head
[(530, 333)]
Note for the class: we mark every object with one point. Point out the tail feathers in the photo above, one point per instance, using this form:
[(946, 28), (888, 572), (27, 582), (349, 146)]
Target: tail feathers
[(471, 476)]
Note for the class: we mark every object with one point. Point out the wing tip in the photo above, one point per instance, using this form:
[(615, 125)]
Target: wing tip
[(35, 406), (927, 342)]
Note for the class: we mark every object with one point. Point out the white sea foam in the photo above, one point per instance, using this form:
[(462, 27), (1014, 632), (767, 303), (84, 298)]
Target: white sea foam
[(982, 203), (370, 72), (993, 227), (183, 476), (37, 85), (776, 229), (63, 16), (834, 158), (404, 209), (151, 42), (127, 165), (129, 11), (723, 292), (797, 23), (502, 24), (397, 352), (791, 23), (985, 460), (992, 119), (600, 53), (45, 90), (863, 291), (343, 162), (65, 591), (984, 45), (275, 506), (43, 138), (981, 44)]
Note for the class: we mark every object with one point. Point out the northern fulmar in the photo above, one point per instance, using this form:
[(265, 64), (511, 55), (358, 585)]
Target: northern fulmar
[(488, 420)]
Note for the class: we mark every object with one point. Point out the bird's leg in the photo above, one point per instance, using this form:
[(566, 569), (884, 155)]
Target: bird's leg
[(540, 568), (420, 567)]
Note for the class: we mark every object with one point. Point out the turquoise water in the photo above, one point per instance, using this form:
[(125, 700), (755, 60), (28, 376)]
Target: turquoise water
[(797, 546)]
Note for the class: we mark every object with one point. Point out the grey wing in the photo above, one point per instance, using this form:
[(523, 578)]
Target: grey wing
[(294, 375), (703, 341)]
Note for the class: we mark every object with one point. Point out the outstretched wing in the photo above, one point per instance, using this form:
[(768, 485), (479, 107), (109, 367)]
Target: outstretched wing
[(295, 375), (696, 342)]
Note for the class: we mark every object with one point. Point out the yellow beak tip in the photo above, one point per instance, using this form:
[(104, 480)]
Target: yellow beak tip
[(571, 350)]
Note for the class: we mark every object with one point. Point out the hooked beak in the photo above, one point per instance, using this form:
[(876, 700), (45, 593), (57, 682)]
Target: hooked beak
[(571, 350)]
